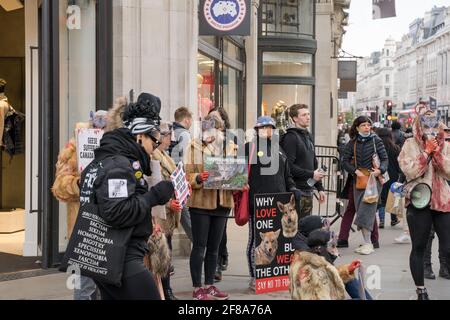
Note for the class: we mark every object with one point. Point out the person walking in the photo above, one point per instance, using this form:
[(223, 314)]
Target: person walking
[(398, 135), (425, 159), (358, 160), (209, 209), (269, 173), (298, 145), (121, 194)]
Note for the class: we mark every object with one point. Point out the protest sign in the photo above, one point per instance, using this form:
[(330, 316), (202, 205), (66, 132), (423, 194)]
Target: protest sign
[(87, 141), (226, 173), (276, 223), (180, 184)]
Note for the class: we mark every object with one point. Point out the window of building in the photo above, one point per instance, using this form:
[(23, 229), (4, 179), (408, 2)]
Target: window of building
[(387, 78), (287, 64), (387, 52), (387, 92), (387, 63), (287, 18), (276, 96)]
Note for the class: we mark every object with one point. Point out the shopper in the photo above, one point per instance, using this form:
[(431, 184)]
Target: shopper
[(394, 172), (209, 209), (358, 160), (264, 154), (425, 158), (299, 147), (124, 156)]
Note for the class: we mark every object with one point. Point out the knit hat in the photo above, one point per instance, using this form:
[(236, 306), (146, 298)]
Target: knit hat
[(153, 102), (309, 224), (265, 121)]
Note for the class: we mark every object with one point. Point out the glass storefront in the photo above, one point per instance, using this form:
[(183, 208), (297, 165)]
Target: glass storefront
[(294, 64), (284, 95)]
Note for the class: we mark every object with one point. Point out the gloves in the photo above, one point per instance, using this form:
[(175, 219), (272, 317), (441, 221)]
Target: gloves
[(202, 177), (354, 265), (297, 194), (431, 146), (175, 205), (164, 191)]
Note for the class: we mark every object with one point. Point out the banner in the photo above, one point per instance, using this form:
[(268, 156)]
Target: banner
[(383, 9), (276, 223), (224, 17), (226, 173), (87, 141)]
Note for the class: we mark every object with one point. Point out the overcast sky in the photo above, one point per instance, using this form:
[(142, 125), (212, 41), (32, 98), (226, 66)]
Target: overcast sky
[(365, 35)]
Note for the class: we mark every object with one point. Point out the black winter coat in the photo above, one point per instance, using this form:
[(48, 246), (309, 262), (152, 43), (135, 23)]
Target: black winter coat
[(300, 151), (365, 150), (280, 182), (121, 192)]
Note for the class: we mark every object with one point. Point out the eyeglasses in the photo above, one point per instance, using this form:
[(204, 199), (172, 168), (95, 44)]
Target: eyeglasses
[(156, 142)]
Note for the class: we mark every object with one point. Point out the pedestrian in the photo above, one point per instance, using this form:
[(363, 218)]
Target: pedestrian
[(358, 160), (263, 154), (209, 209), (172, 208), (425, 159), (124, 156), (397, 134), (394, 171), (312, 273), (299, 147)]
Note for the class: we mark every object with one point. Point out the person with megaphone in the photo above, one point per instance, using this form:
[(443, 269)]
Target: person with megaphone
[(425, 161)]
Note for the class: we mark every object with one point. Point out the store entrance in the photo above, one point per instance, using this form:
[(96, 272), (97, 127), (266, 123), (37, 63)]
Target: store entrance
[(12, 132)]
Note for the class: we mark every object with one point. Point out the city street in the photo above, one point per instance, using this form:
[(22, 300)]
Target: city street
[(396, 281)]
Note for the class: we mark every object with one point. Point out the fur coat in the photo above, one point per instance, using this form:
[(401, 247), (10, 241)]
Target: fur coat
[(168, 166), (414, 163), (158, 259), (313, 278)]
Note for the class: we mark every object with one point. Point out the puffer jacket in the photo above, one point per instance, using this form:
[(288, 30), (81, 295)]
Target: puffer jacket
[(201, 198), (415, 164), (365, 150)]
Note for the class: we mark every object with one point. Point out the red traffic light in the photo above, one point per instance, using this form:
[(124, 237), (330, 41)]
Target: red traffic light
[(389, 104)]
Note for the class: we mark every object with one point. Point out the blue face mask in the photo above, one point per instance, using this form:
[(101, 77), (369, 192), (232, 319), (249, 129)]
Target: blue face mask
[(364, 135)]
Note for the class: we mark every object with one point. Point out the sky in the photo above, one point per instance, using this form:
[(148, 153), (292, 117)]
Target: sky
[(365, 35)]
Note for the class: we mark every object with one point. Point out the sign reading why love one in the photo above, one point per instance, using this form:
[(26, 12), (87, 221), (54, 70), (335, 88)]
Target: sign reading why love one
[(224, 17), (276, 223)]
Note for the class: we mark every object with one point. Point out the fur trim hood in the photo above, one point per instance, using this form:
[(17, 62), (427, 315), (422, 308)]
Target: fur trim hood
[(115, 114)]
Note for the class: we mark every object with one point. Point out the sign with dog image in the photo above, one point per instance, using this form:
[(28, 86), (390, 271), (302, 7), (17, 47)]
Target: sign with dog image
[(276, 224)]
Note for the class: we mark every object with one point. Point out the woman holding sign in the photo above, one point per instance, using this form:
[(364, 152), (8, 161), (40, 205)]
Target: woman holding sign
[(209, 208), (114, 184), (269, 173)]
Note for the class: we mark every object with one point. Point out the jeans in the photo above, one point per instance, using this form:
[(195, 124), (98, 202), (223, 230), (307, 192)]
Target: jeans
[(382, 214), (352, 289), (87, 291)]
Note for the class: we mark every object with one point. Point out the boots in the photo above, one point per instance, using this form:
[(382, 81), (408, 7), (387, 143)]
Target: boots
[(224, 262), (168, 294), (428, 272), (422, 294), (443, 271), (218, 275)]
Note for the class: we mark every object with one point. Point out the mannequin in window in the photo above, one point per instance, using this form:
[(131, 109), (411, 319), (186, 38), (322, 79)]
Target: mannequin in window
[(4, 108)]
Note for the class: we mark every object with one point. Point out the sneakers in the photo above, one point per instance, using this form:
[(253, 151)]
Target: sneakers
[(381, 225), (215, 294), (200, 294), (403, 239), (365, 249), (394, 222)]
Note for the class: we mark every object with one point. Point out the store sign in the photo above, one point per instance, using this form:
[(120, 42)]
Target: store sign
[(347, 73), (73, 18), (224, 17)]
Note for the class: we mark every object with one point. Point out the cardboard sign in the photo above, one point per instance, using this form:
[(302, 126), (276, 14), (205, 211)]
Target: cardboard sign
[(87, 141), (181, 185), (226, 173), (276, 224)]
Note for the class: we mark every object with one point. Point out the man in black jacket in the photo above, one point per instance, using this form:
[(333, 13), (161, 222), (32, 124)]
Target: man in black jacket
[(299, 148)]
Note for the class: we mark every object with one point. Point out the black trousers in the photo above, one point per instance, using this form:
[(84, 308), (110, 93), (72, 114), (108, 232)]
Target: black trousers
[(207, 232), (166, 280), (139, 286), (420, 223)]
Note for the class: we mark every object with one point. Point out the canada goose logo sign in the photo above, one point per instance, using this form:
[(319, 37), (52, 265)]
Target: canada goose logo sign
[(225, 15)]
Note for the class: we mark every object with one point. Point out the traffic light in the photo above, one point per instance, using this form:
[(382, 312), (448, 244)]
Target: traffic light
[(389, 106)]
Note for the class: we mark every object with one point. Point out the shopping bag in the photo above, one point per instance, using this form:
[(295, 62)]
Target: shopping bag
[(371, 194), (241, 207)]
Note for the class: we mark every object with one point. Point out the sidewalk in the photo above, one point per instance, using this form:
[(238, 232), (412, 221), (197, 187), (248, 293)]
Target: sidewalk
[(396, 281)]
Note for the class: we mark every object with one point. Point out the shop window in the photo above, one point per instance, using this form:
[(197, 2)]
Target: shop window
[(287, 18), (206, 85), (230, 89), (293, 64), (279, 97)]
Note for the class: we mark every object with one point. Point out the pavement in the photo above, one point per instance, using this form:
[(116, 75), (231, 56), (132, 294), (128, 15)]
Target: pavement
[(387, 273)]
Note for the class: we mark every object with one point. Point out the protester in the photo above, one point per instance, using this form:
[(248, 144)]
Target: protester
[(299, 147), (426, 159), (312, 274), (173, 208), (209, 209), (124, 156), (269, 173), (358, 160), (394, 172)]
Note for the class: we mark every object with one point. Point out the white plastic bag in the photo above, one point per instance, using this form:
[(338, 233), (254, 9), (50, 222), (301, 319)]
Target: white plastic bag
[(371, 194)]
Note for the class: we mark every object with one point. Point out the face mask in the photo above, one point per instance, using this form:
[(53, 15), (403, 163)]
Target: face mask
[(364, 135)]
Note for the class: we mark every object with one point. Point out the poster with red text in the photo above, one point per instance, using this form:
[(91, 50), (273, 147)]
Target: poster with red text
[(276, 224)]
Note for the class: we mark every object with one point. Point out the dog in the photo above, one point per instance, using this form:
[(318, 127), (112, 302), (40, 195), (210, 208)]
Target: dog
[(267, 249), (289, 221)]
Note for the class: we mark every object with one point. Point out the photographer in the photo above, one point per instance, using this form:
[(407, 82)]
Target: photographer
[(425, 159)]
